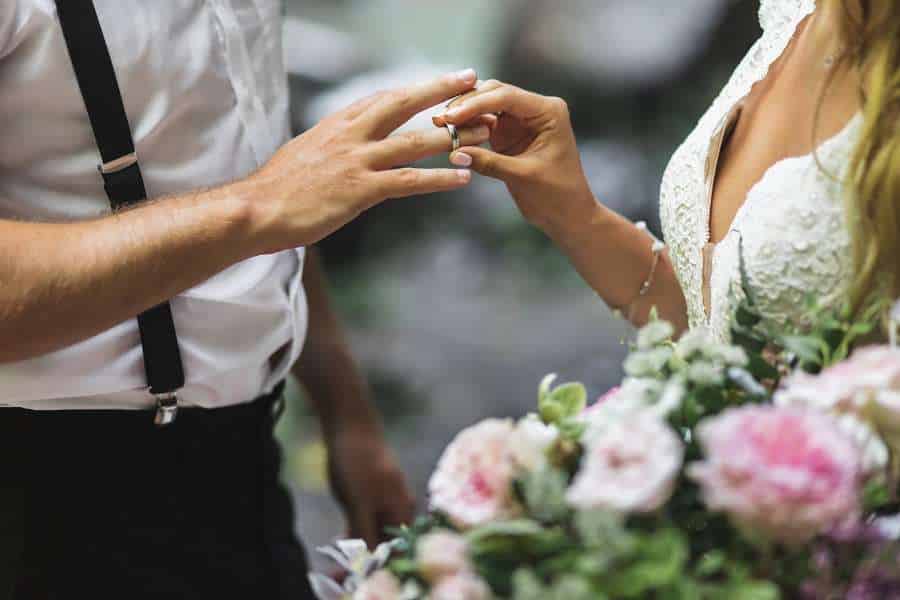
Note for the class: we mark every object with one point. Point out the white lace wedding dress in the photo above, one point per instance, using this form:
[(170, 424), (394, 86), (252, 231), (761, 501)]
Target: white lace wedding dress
[(792, 225)]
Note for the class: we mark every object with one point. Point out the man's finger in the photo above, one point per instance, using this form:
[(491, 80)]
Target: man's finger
[(397, 107), (363, 525), (407, 148), (492, 164), (360, 106), (402, 183)]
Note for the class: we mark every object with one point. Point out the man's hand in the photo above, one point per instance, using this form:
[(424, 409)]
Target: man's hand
[(364, 474), (368, 482), (347, 163)]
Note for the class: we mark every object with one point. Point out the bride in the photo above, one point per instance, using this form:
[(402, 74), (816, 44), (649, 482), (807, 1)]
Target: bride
[(795, 166)]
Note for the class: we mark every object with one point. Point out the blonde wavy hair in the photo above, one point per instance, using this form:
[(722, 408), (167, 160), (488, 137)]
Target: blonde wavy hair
[(871, 31)]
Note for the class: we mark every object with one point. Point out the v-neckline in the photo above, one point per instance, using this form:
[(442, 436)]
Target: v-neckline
[(713, 156)]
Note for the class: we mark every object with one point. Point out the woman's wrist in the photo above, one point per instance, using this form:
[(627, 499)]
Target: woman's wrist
[(581, 221)]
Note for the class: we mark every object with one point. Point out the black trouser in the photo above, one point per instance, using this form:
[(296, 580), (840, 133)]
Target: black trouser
[(102, 504)]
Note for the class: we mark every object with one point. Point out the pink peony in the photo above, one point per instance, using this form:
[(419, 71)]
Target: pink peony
[(382, 585), (463, 586), (631, 467), (472, 484), (787, 474), (442, 554)]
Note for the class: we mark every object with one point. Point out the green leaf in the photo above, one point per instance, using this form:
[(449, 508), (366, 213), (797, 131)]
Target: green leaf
[(545, 387), (746, 317), (875, 495), (660, 561), (761, 369), (711, 563), (561, 403), (573, 587), (754, 590), (806, 348), (403, 567), (604, 529), (748, 339), (544, 493), (527, 586), (516, 528)]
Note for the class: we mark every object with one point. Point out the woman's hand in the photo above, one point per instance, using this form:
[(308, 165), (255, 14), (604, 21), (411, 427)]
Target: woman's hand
[(533, 152)]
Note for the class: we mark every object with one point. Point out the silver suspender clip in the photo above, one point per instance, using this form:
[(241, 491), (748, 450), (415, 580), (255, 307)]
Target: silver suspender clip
[(116, 165), (166, 408)]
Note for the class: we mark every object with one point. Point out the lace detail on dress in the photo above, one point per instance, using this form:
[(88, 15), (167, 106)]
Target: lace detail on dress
[(785, 217)]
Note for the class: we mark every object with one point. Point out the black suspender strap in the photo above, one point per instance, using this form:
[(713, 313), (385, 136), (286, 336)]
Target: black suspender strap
[(123, 183)]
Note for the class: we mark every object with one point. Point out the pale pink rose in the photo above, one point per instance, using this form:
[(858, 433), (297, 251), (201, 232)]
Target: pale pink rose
[(472, 484), (609, 395), (382, 585), (848, 385), (784, 473), (631, 467), (463, 586), (441, 554), (866, 385)]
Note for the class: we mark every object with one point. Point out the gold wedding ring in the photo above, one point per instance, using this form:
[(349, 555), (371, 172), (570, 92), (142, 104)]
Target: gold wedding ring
[(454, 136)]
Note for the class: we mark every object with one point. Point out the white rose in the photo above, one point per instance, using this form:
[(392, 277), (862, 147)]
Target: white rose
[(530, 441), (463, 586), (442, 553), (631, 468), (380, 586)]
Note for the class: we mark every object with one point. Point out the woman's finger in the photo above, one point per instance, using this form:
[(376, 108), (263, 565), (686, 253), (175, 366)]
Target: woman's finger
[(492, 164), (408, 148), (506, 99), (483, 87)]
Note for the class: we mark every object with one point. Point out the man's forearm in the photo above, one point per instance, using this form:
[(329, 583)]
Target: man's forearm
[(61, 283)]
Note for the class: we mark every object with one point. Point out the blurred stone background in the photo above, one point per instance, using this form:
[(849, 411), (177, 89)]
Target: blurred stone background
[(455, 307)]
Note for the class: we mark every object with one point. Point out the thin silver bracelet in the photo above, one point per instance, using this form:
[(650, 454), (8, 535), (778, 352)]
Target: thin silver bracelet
[(657, 248)]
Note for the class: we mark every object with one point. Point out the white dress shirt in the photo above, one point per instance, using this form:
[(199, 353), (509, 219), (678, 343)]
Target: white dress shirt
[(205, 90)]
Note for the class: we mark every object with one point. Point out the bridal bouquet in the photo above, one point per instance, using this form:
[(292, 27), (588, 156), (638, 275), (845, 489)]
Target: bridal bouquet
[(711, 472)]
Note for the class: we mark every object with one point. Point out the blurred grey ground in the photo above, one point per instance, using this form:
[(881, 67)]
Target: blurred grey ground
[(455, 307)]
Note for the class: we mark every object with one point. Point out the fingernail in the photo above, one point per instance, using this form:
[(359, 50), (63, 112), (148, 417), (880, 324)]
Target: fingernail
[(464, 175), (461, 159), (452, 113), (467, 76), (482, 132)]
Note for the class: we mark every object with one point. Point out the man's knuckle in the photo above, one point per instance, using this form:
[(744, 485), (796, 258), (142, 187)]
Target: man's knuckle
[(416, 142), (558, 105), (400, 98), (407, 178)]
